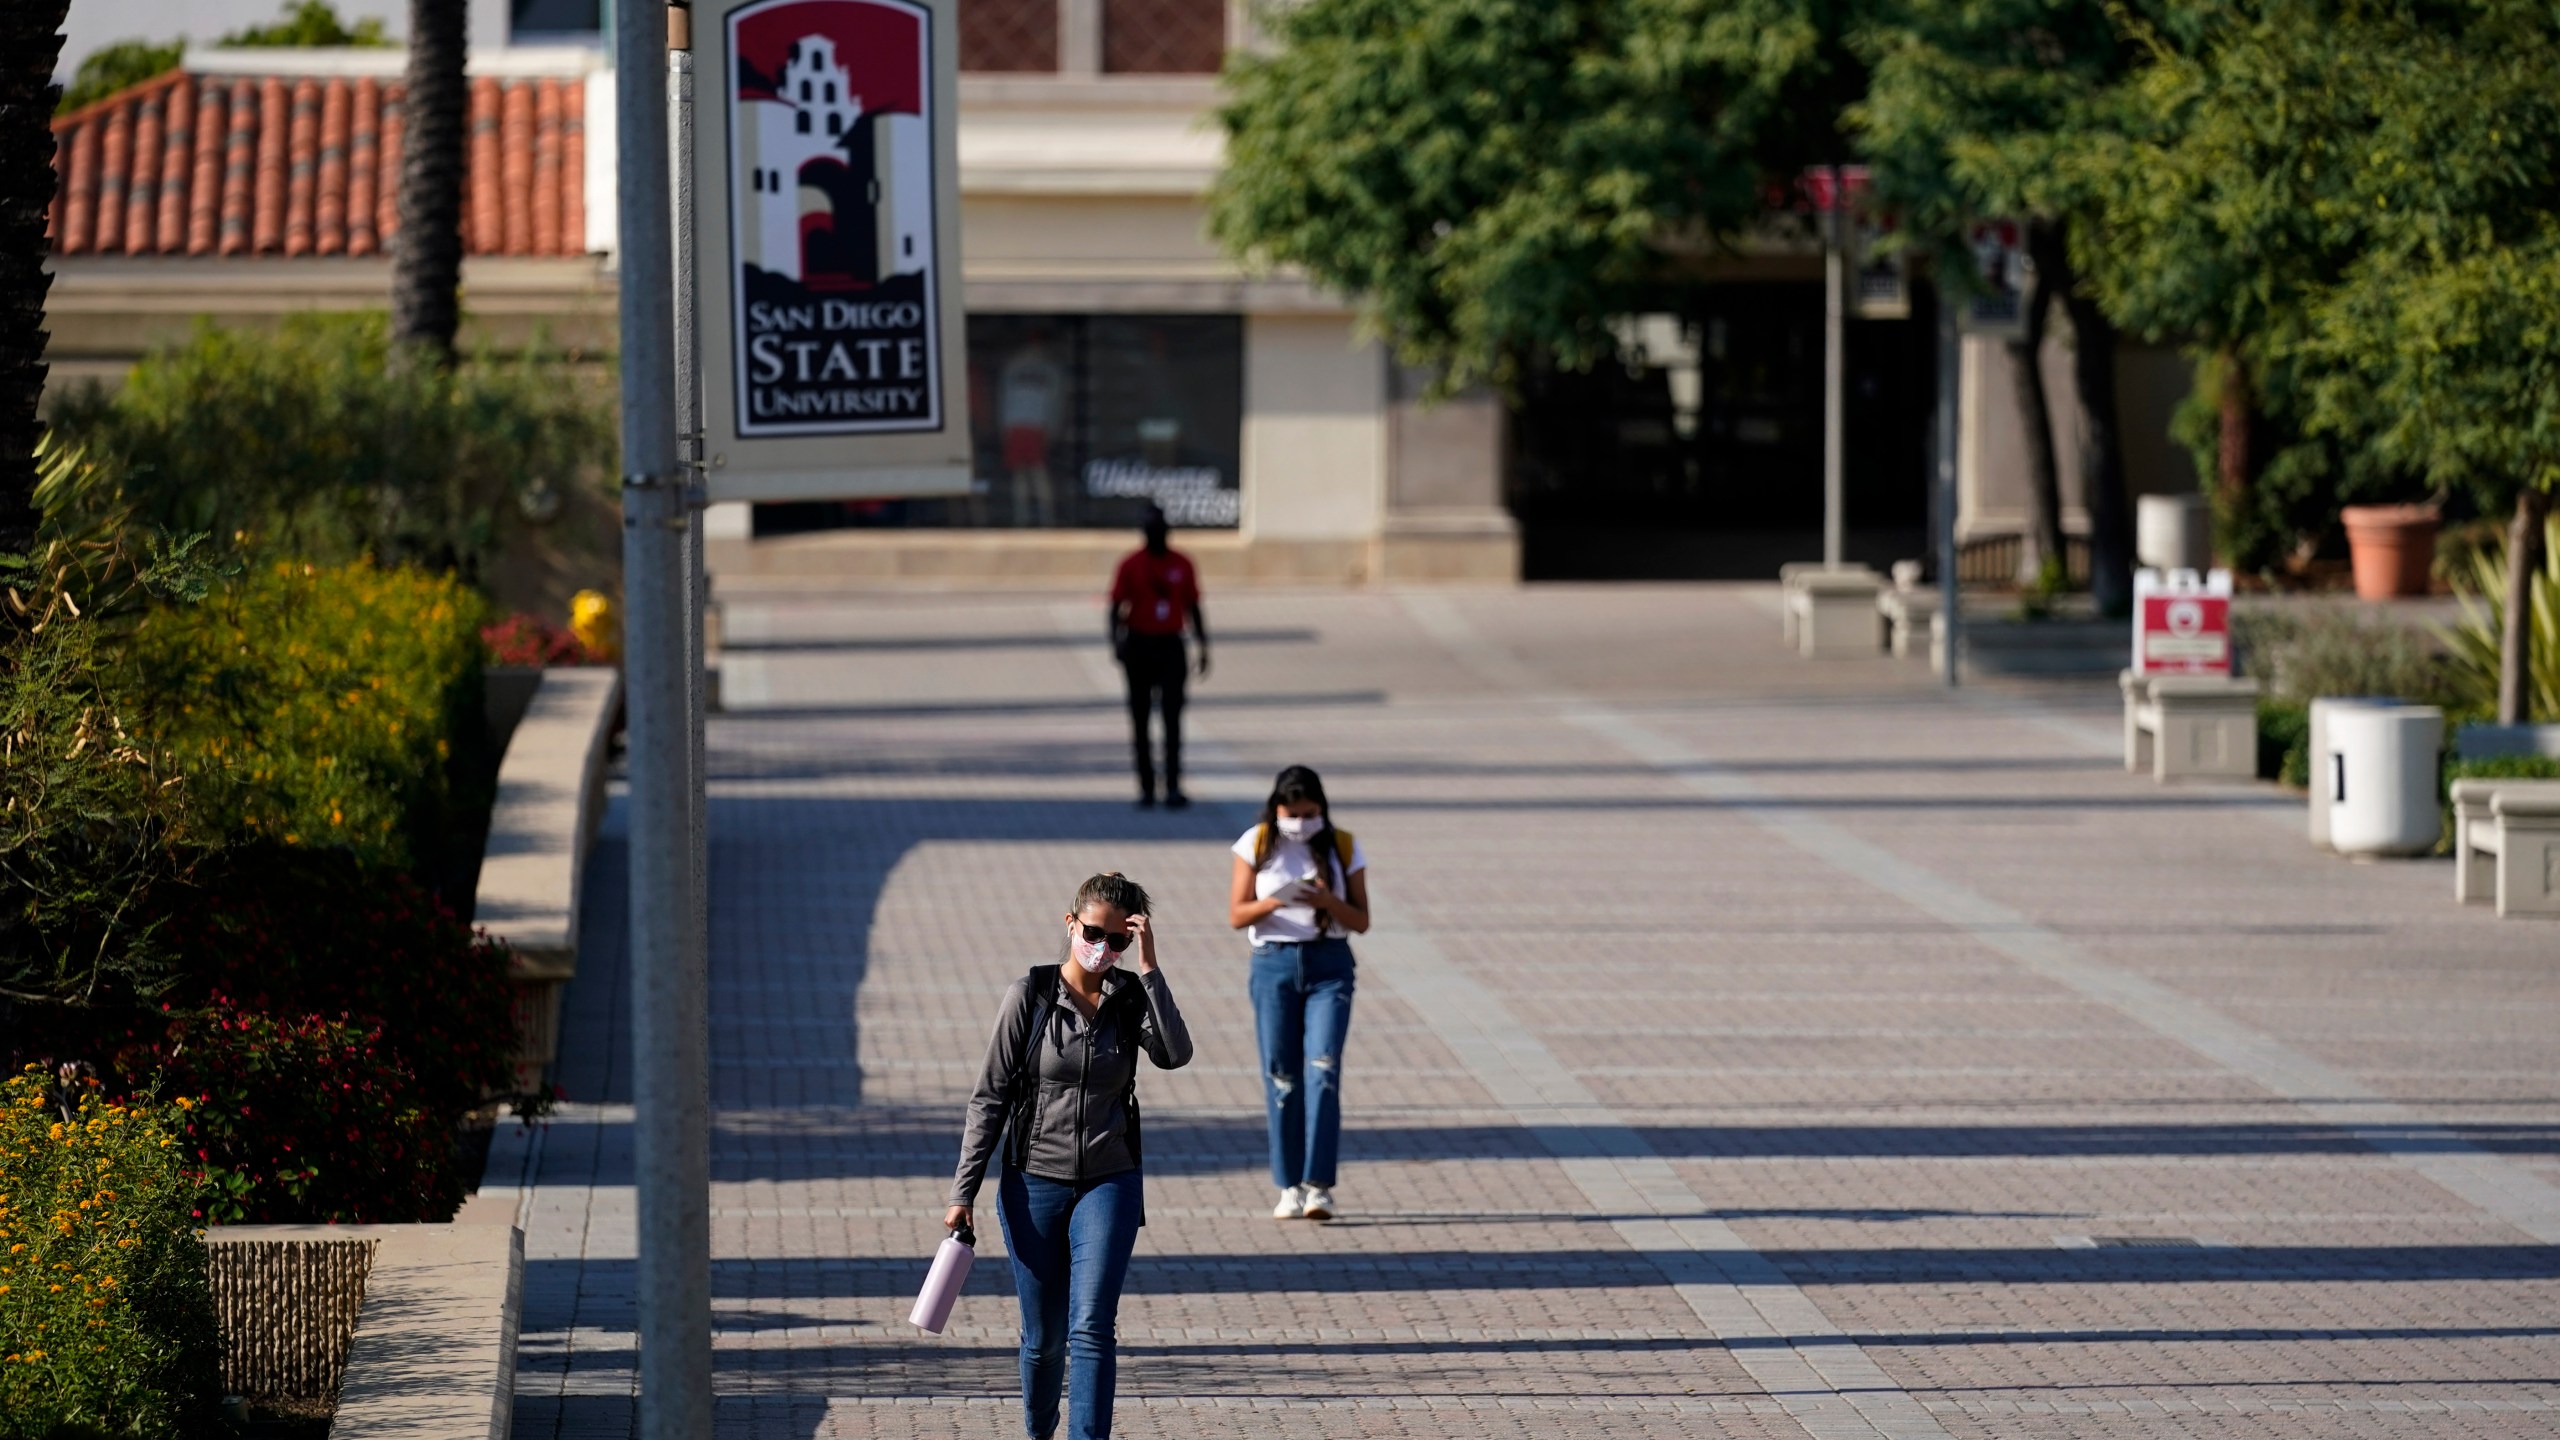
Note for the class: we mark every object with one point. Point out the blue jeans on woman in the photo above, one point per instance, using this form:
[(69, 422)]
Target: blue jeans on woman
[(1302, 1013), (1070, 1245)]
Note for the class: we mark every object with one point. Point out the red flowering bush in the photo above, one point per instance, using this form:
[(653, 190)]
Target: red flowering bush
[(523, 639), (301, 1120), (292, 932)]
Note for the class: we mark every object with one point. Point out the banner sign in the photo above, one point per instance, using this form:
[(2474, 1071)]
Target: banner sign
[(826, 229), (2181, 623)]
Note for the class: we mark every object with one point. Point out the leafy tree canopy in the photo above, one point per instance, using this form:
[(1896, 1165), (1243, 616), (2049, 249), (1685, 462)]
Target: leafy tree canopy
[(1986, 109), (1500, 178)]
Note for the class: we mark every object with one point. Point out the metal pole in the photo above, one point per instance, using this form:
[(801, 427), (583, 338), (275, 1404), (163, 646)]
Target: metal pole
[(688, 414), (1950, 595), (1835, 371), (670, 1039)]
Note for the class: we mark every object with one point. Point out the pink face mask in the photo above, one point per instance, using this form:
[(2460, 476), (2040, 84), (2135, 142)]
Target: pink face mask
[(1094, 955)]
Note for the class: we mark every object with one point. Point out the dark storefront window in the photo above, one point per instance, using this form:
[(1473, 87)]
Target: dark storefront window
[(1164, 37), (1080, 421), (1008, 36)]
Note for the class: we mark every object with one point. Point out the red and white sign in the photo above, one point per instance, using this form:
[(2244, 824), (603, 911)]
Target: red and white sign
[(826, 221), (2181, 623)]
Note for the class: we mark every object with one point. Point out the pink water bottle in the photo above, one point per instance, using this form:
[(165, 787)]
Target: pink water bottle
[(942, 1283)]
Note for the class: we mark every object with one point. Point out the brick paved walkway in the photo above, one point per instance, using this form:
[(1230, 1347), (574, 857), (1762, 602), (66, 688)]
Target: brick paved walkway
[(1747, 1048)]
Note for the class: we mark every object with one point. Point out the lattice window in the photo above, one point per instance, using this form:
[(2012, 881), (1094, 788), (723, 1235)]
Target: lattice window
[(1009, 36), (1164, 37)]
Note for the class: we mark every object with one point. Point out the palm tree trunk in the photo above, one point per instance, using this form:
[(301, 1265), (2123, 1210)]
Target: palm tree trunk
[(426, 266), (2515, 643), (2042, 544), (30, 43)]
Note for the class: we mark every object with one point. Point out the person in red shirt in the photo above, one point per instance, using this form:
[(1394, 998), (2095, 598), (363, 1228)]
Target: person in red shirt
[(1154, 594)]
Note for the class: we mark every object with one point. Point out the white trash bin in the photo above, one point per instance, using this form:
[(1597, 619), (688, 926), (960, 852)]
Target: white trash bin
[(2381, 774), (2173, 532), (2320, 777)]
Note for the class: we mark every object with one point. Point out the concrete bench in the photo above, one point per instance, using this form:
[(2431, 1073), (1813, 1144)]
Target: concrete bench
[(2182, 727), (551, 789), (2506, 845), (1909, 615), (412, 1327), (1832, 614), (1791, 575)]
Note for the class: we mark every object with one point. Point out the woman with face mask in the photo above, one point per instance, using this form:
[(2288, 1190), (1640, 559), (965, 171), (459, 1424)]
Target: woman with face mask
[(1060, 1091), (1301, 888)]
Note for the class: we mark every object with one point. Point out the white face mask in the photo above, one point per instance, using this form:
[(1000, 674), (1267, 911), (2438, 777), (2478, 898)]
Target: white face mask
[(1298, 827), (1095, 956)]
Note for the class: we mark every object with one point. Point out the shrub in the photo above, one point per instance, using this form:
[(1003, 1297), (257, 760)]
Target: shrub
[(2476, 638), (327, 707), (106, 1322), (303, 1120), (286, 932), (523, 639), (305, 442), (2308, 651), (2284, 741)]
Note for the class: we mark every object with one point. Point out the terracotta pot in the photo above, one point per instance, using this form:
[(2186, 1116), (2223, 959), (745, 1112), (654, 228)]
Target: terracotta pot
[(2394, 548)]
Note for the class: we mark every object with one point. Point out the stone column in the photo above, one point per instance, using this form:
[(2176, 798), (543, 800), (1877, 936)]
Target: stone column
[(1445, 518)]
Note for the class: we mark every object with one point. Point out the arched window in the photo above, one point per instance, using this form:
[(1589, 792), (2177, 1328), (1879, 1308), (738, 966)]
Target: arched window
[(835, 123), (831, 92), (804, 122), (804, 92)]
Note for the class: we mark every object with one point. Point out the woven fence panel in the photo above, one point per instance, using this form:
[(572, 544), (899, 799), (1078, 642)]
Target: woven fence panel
[(287, 1311)]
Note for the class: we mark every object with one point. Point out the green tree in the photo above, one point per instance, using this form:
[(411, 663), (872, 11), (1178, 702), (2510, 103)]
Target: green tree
[(2356, 200), (1983, 110), (1500, 179)]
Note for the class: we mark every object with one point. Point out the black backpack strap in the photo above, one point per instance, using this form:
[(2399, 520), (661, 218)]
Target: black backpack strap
[(1043, 981)]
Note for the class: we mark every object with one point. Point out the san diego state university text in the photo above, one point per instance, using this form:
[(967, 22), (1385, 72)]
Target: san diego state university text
[(824, 362)]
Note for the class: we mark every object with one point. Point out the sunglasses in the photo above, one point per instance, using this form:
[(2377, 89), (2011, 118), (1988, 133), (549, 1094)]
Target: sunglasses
[(1096, 935)]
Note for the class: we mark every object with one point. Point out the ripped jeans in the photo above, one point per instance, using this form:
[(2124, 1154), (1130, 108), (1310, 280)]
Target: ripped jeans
[(1302, 1013)]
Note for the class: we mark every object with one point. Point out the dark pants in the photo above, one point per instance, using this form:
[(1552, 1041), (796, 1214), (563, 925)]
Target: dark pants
[(1302, 1014), (1070, 1247), (1156, 665)]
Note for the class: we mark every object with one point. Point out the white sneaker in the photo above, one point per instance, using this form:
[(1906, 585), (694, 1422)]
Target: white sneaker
[(1293, 1204), (1318, 1204)]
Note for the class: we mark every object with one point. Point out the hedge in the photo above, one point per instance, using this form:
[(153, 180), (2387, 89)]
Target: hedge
[(106, 1322), (327, 707)]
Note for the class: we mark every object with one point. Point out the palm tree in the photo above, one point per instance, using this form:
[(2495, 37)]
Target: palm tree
[(30, 43), (426, 263)]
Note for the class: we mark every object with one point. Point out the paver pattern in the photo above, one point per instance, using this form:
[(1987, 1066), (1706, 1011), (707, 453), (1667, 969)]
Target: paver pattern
[(1749, 1048)]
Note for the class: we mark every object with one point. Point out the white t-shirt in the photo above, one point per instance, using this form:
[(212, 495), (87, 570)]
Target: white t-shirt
[(1289, 863)]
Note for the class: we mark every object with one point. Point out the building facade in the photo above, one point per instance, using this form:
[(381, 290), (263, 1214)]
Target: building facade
[(1116, 358)]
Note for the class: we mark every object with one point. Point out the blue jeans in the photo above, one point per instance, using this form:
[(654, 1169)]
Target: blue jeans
[(1302, 1013), (1070, 1247)]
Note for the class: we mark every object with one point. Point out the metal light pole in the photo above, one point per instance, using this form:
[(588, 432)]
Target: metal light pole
[(1950, 595), (1835, 371), (669, 1031)]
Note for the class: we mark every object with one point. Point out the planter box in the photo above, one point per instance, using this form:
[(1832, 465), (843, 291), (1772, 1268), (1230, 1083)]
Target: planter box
[(551, 789), (411, 1327)]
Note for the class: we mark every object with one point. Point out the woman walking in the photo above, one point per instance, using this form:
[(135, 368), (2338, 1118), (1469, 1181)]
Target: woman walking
[(1301, 888), (1060, 1091)]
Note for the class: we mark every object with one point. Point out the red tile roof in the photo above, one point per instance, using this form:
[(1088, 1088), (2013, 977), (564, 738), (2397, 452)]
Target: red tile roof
[(190, 164)]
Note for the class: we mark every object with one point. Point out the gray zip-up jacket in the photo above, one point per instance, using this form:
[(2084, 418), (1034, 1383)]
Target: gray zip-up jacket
[(1077, 1115)]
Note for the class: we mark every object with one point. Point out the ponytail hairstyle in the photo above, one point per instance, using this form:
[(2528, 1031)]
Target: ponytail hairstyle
[(1109, 888), (1299, 785)]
